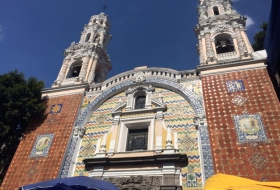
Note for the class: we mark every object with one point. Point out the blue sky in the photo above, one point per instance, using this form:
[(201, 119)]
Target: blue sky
[(156, 33)]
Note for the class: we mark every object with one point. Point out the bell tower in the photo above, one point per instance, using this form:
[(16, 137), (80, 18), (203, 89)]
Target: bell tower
[(238, 95), (87, 61), (221, 33)]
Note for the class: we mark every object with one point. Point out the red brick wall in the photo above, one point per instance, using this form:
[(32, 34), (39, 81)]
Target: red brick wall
[(25, 170), (252, 160)]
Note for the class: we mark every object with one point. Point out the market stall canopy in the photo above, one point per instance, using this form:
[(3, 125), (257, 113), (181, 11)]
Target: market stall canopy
[(77, 183), (230, 182)]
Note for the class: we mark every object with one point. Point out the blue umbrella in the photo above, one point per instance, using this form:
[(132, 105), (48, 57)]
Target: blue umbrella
[(71, 183)]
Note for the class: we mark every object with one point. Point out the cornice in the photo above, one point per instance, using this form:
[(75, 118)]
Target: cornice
[(64, 88), (157, 158), (139, 111), (228, 64), (151, 69)]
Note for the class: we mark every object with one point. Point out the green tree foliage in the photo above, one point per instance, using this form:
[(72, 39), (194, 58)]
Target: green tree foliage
[(20, 102), (259, 38)]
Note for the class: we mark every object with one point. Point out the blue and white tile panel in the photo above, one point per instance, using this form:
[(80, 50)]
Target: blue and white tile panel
[(235, 85), (206, 153), (42, 145), (249, 128)]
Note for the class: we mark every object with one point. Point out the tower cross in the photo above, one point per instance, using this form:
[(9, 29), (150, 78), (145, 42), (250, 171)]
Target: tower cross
[(104, 7)]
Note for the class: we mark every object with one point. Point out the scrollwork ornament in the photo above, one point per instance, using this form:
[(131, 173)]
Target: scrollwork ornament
[(210, 53), (199, 120), (139, 77), (221, 28), (79, 131)]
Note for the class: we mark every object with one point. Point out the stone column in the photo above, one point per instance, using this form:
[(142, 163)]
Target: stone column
[(240, 42), (83, 72), (200, 50), (101, 42), (209, 49), (168, 139), (169, 149), (149, 91), (102, 152), (114, 133), (129, 102), (62, 72), (92, 70), (148, 103), (248, 44), (88, 68), (158, 132)]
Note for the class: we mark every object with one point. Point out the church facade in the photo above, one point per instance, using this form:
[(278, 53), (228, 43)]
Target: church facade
[(157, 128)]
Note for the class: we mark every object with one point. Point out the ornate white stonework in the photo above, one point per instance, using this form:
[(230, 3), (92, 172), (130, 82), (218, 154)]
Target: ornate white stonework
[(139, 77), (89, 52), (79, 131), (219, 22)]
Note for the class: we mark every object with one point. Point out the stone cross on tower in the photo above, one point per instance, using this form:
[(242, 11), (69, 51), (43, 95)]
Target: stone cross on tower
[(87, 61), (221, 33)]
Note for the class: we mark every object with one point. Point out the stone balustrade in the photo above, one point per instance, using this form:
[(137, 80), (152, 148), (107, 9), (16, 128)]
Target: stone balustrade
[(149, 72), (227, 55)]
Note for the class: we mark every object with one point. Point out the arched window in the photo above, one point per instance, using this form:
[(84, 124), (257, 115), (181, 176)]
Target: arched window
[(224, 43), (75, 69), (140, 102), (216, 10), (96, 39), (87, 37)]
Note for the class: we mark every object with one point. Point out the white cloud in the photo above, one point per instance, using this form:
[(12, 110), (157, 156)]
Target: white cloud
[(249, 22)]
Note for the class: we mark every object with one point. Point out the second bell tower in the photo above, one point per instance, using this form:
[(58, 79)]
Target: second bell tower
[(221, 33), (87, 61)]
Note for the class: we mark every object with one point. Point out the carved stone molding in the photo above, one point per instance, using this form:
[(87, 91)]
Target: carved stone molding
[(139, 77), (149, 88), (221, 27), (79, 131), (136, 182), (200, 120)]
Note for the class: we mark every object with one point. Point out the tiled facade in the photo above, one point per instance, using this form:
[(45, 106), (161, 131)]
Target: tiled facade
[(95, 130), (40, 153), (222, 117), (179, 115), (253, 149)]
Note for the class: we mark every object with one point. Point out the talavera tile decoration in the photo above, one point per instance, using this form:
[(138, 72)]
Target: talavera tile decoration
[(207, 153), (235, 85), (191, 180), (249, 128), (42, 145), (87, 107), (239, 100), (56, 108)]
